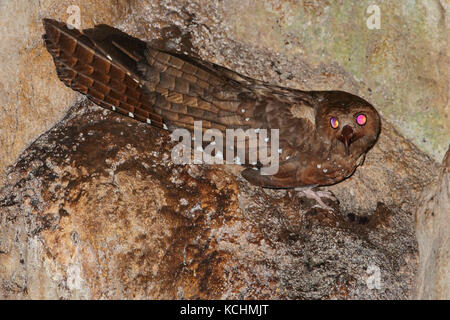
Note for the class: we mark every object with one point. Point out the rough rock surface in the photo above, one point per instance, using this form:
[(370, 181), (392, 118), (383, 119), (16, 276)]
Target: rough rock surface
[(433, 236), (95, 209)]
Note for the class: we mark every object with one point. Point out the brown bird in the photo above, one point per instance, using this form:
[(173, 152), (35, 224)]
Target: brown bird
[(323, 135)]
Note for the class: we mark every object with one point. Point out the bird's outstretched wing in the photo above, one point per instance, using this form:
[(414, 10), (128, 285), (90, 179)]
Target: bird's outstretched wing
[(125, 74)]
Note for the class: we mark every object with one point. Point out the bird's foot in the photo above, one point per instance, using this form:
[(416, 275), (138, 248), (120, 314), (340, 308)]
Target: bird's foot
[(317, 196)]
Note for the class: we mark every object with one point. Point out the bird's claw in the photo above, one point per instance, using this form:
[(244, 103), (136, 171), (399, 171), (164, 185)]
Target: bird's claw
[(317, 196)]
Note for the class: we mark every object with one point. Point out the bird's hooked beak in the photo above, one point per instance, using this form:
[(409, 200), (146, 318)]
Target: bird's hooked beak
[(346, 138)]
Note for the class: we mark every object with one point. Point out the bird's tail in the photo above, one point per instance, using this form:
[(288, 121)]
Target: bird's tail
[(102, 63)]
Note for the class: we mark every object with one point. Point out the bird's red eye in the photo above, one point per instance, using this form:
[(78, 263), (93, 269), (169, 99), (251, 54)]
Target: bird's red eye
[(334, 122), (361, 119)]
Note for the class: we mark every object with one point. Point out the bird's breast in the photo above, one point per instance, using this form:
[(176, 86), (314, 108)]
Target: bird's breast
[(330, 170)]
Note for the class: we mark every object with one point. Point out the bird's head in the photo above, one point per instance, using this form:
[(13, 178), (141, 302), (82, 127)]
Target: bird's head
[(348, 123)]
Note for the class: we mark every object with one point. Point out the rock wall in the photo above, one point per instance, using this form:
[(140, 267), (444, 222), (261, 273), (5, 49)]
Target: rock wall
[(433, 236), (96, 209), (120, 221)]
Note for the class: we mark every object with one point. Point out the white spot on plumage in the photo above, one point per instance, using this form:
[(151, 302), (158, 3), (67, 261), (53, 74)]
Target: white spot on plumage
[(246, 119), (131, 114), (319, 166), (165, 127), (109, 57), (149, 121), (287, 157), (243, 110), (113, 108), (325, 170)]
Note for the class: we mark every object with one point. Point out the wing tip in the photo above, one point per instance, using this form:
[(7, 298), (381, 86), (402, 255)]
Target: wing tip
[(48, 23)]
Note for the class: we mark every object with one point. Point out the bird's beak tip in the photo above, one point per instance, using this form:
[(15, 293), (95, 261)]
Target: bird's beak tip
[(347, 149), (346, 138)]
